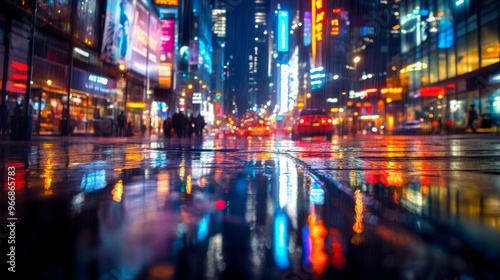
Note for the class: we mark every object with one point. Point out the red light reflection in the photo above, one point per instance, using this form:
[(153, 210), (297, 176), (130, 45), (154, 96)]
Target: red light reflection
[(19, 176)]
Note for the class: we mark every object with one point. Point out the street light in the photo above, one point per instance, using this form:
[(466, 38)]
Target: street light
[(356, 60), (121, 67)]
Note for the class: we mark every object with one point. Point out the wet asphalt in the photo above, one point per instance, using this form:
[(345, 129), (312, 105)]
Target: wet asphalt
[(257, 208)]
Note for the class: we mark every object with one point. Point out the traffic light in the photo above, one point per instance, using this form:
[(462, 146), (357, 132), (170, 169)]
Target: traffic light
[(218, 95)]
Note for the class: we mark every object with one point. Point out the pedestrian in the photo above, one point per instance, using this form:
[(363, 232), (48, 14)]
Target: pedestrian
[(121, 121), (143, 129), (471, 118), (178, 124), (200, 125), (18, 110), (167, 127), (191, 126)]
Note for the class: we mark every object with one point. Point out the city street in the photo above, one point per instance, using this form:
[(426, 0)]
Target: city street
[(365, 207)]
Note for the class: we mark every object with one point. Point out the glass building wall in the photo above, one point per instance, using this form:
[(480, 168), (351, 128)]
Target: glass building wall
[(450, 50)]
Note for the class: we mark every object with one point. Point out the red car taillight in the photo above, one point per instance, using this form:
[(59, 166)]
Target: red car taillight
[(301, 121), (326, 120)]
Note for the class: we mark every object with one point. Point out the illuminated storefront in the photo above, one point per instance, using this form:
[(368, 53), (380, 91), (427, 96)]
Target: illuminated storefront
[(458, 50), (48, 98), (131, 38)]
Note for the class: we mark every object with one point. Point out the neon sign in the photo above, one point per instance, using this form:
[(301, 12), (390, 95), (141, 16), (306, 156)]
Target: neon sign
[(318, 15), (335, 23), (283, 31)]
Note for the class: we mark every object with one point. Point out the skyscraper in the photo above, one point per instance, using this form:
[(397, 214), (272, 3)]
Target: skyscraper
[(258, 57), (238, 44), (219, 19)]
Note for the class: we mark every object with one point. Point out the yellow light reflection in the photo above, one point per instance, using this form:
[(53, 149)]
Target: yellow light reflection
[(395, 178), (182, 169), (48, 172), (217, 176), (188, 184), (133, 157), (117, 191), (353, 178), (358, 218)]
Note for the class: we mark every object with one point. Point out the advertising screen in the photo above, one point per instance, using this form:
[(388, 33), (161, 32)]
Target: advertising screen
[(167, 47), (154, 47), (127, 38)]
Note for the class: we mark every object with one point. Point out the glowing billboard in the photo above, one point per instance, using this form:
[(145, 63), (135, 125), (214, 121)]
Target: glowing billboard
[(167, 53), (307, 28), (167, 47), (283, 31), (167, 2), (335, 22), (131, 35)]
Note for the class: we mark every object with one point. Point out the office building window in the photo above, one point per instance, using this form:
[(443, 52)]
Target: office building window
[(433, 66), (472, 51), (490, 45), (424, 71), (462, 55), (442, 65), (452, 63), (86, 29), (55, 13)]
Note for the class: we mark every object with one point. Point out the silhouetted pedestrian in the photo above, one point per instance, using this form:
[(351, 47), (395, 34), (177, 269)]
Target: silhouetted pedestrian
[(143, 129), (178, 124), (191, 126), (121, 121), (200, 125), (471, 118), (167, 127)]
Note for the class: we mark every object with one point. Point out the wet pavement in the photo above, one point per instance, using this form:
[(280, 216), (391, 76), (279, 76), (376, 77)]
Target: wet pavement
[(262, 208)]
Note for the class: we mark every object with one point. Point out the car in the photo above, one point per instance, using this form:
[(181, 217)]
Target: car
[(313, 122), (259, 128), (409, 128)]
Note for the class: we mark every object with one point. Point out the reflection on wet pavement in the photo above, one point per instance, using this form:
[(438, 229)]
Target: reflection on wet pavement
[(245, 210)]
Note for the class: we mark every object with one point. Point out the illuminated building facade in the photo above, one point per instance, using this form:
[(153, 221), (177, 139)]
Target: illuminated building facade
[(258, 57), (450, 54), (219, 19), (195, 55), (69, 74), (369, 33), (165, 98), (286, 55)]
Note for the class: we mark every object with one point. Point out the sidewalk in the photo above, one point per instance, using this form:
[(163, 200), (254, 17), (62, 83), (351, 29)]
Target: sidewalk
[(88, 138)]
